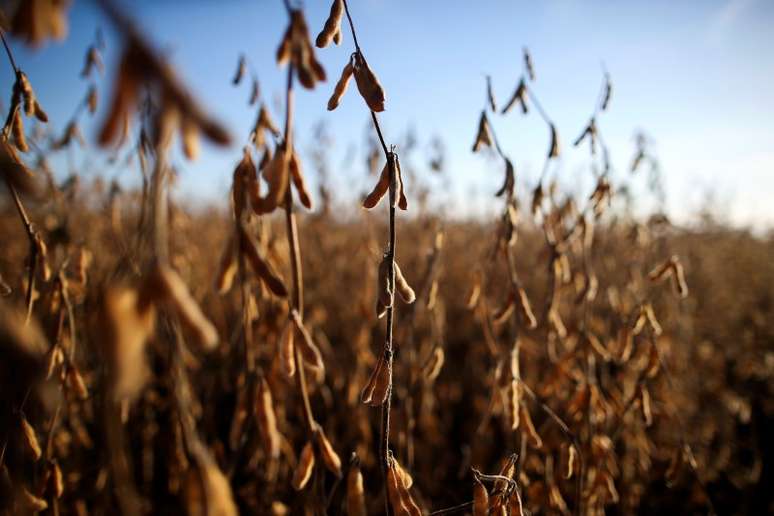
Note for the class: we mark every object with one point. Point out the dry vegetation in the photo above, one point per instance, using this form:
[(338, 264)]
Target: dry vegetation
[(562, 359)]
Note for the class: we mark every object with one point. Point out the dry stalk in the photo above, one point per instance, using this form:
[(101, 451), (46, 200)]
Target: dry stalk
[(389, 258)]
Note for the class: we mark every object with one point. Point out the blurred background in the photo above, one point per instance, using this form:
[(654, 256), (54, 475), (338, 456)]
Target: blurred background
[(695, 76)]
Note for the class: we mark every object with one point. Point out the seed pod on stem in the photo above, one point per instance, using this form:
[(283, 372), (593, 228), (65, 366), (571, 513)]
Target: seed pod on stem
[(332, 25), (240, 71), (304, 467), (309, 350), (341, 86), (267, 421), (170, 287), (329, 456), (528, 64), (432, 367), (375, 391), (298, 180), (402, 286), (526, 309), (368, 84), (30, 438), (520, 96), (490, 94), (484, 134), (227, 268), (553, 151), (381, 187), (287, 350), (260, 266)]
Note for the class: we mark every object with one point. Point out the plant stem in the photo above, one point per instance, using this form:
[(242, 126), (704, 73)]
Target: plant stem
[(384, 439), (291, 230)]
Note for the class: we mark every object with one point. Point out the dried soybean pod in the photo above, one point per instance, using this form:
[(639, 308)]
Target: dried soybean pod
[(502, 314), (528, 64), (125, 93), (400, 197), (393, 492), (287, 350), (645, 405), (309, 350), (267, 421), (30, 439), (260, 266), (15, 173), (39, 113), (265, 121), (432, 367), (528, 427), (367, 394), (526, 309), (17, 129), (240, 71), (475, 291), (30, 503), (329, 456), (355, 492), (382, 185), (402, 286), (662, 271), (128, 320), (510, 181), (432, 295), (76, 382), (368, 84), (341, 86), (571, 458), (490, 94), (227, 268), (56, 482), (383, 283), (284, 49), (553, 151), (190, 138), (332, 24), (518, 95), (255, 92), (639, 323), (298, 180), (303, 471), (608, 92), (484, 134), (537, 199), (514, 400), (405, 478), (678, 278), (652, 321), (480, 498), (175, 292), (375, 391), (408, 501)]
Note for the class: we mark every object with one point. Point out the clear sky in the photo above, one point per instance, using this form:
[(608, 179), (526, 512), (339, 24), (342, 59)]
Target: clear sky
[(696, 75)]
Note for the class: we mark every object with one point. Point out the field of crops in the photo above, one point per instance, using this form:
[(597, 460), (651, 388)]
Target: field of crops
[(282, 354)]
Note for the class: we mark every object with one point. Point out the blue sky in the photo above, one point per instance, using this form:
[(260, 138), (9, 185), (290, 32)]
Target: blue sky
[(696, 75)]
